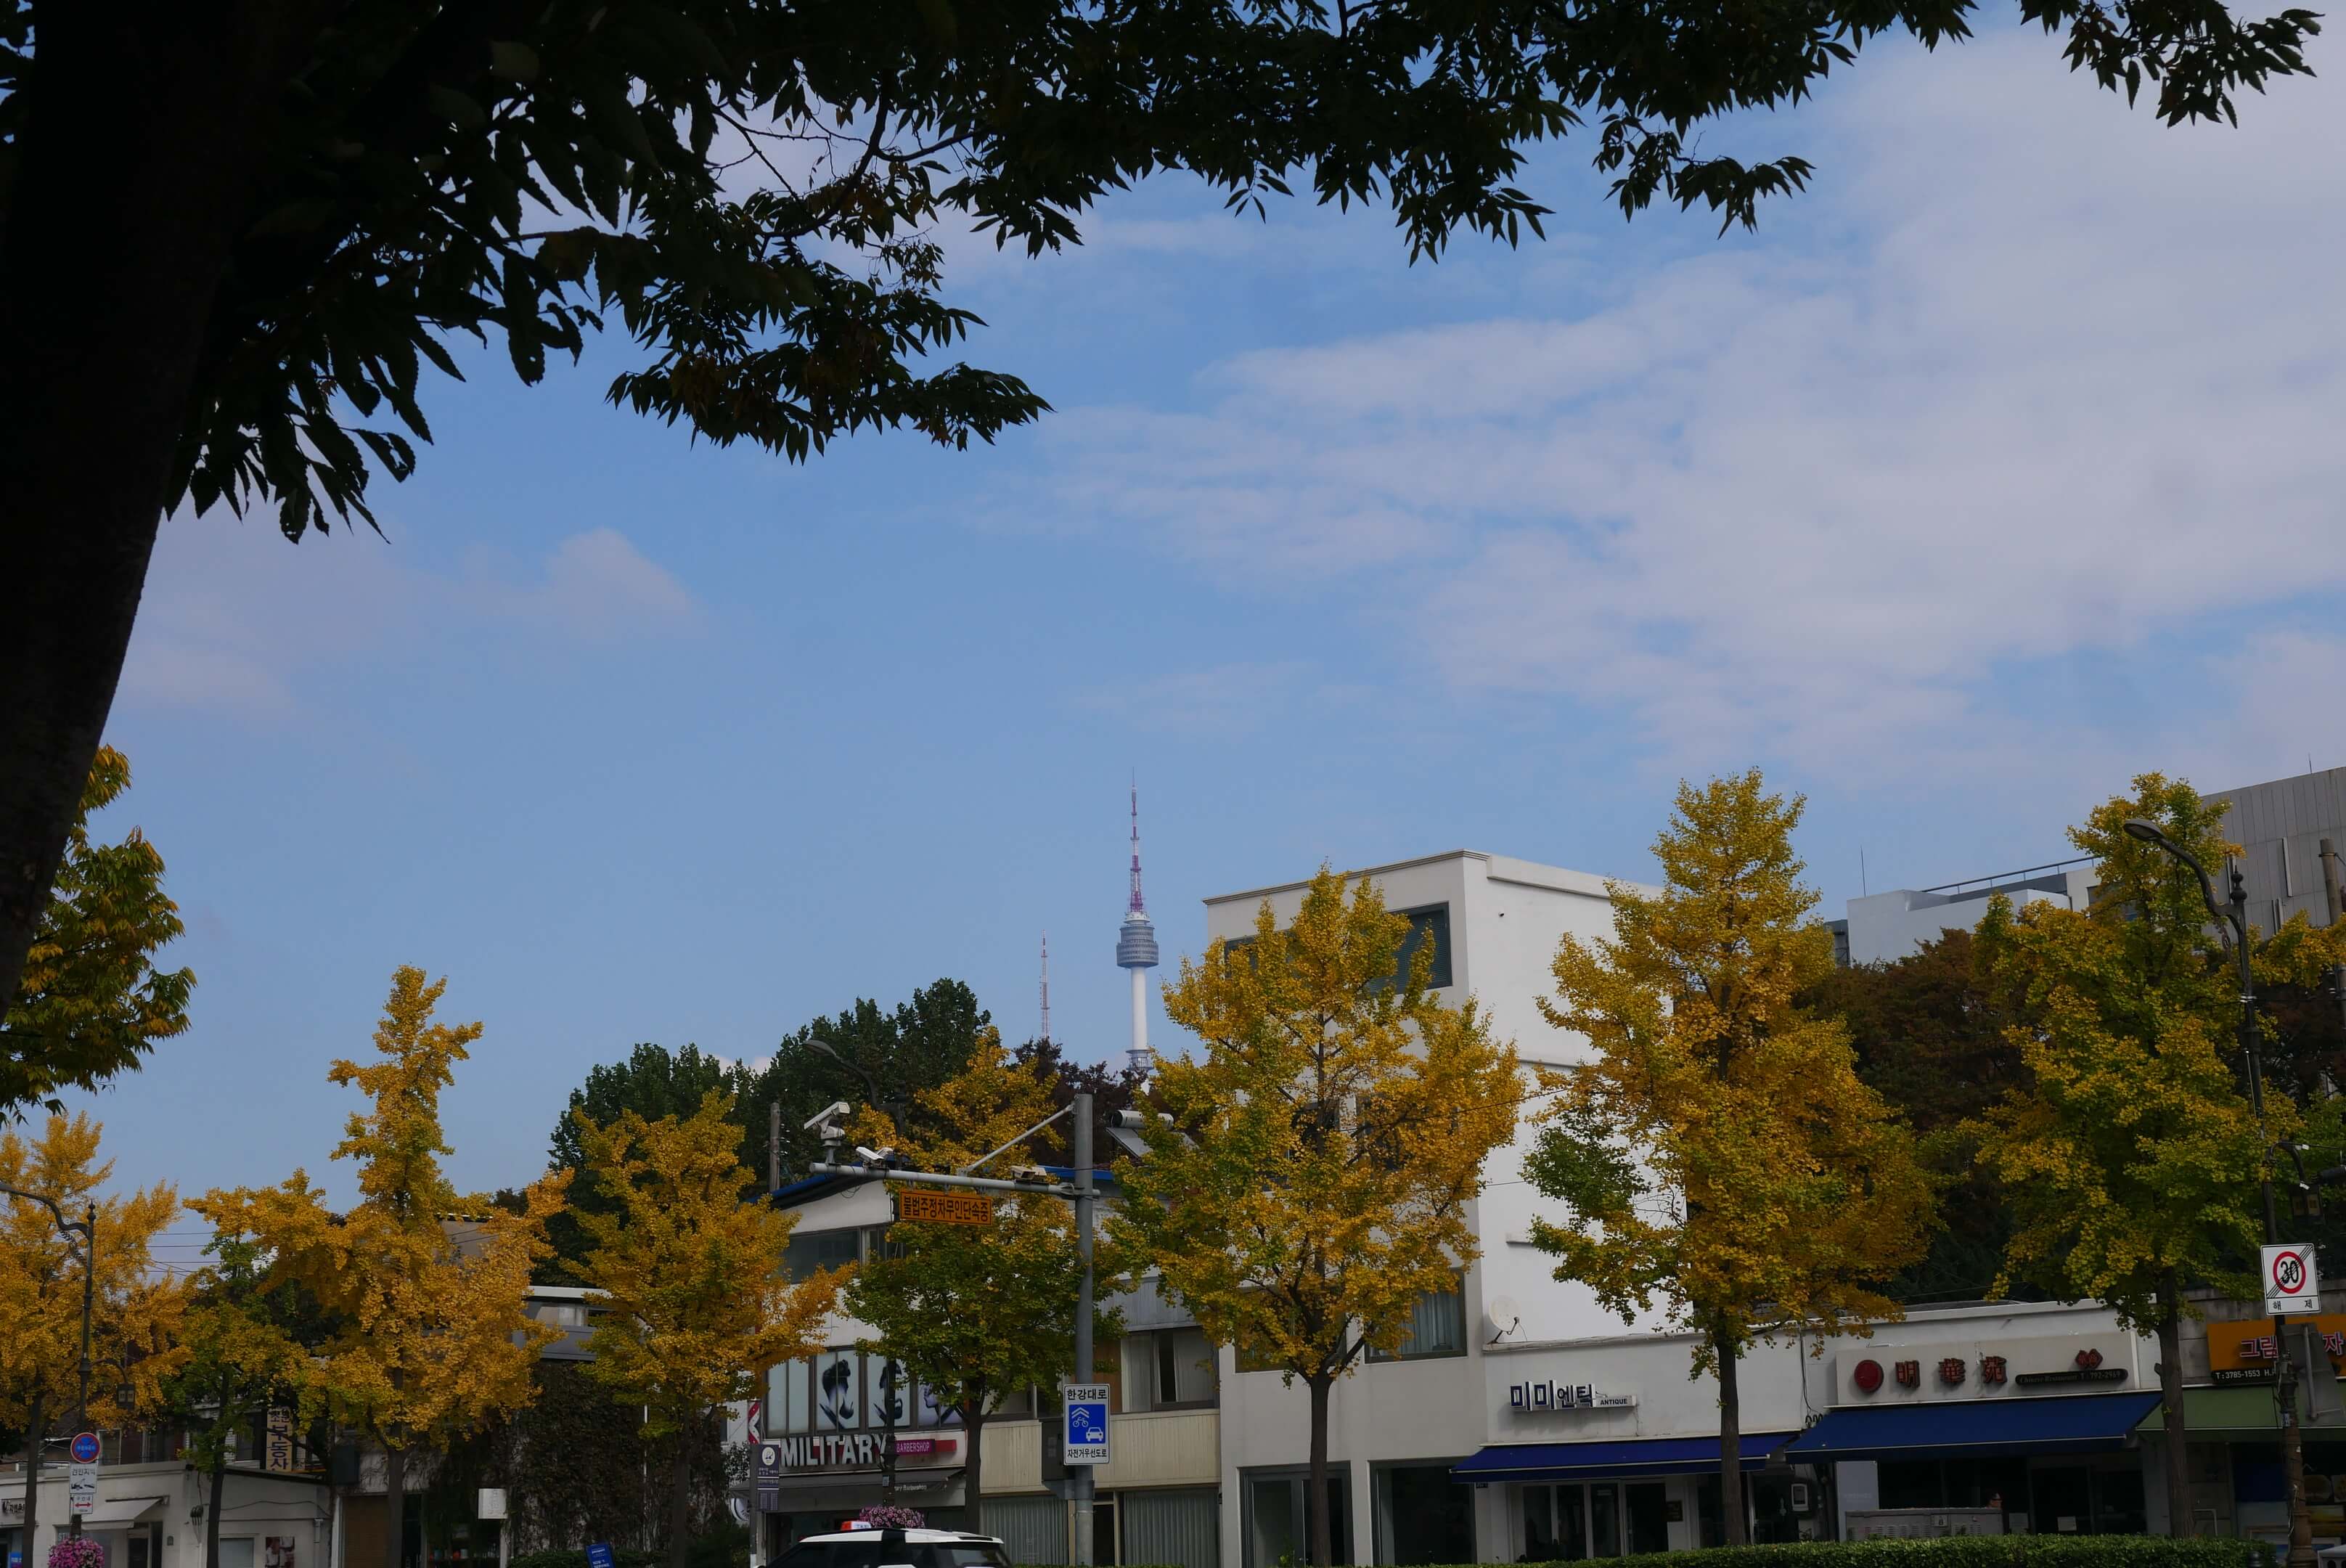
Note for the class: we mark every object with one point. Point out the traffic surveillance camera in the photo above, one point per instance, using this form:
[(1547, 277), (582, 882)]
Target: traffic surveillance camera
[(1133, 1120), (880, 1156), (835, 1109)]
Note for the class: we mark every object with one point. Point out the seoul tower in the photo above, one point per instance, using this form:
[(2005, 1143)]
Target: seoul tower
[(1136, 949)]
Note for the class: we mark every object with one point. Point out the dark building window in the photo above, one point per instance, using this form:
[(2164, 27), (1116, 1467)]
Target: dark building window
[(1437, 1327), (1429, 925)]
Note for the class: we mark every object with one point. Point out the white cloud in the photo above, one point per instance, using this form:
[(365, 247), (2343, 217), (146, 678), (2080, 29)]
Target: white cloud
[(232, 613), (2063, 379), (597, 588)]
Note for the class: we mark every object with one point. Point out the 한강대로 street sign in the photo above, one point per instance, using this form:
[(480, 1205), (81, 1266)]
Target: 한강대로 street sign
[(934, 1207), (1087, 1423), (2292, 1282)]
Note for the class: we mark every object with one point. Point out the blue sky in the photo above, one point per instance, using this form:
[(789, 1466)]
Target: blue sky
[(1999, 466)]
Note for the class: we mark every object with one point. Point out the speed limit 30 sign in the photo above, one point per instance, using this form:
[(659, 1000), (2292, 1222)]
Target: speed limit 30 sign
[(2293, 1279)]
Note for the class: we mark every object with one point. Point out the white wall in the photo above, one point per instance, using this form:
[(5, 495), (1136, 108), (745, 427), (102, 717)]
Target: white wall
[(1887, 926)]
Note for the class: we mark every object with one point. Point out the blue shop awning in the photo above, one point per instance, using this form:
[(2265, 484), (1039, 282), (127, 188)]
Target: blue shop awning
[(1604, 1460), (1956, 1429)]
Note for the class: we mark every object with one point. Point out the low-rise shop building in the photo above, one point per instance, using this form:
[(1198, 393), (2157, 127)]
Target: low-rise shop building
[(833, 1416)]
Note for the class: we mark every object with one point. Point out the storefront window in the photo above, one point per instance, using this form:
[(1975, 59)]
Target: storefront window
[(1649, 1516), (1423, 1515), (1604, 1521), (1278, 1526), (1556, 1525)]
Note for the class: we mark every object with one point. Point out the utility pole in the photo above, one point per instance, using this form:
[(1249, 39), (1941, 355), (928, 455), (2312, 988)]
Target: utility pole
[(1079, 1476), (773, 1145)]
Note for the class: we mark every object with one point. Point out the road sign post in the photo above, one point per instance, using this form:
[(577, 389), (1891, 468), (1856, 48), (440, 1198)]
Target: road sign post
[(1087, 1418), (81, 1487), (2292, 1279)]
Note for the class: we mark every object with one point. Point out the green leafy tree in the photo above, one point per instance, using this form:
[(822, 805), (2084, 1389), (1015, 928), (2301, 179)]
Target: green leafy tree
[(1930, 1041), (247, 1339), (91, 1001), (1312, 1187), (232, 236), (1719, 1154), (653, 1082), (901, 1051), (2127, 1153), (975, 1314)]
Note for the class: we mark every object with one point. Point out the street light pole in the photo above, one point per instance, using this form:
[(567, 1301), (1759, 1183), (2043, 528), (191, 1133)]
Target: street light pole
[(2234, 914), (1079, 1476)]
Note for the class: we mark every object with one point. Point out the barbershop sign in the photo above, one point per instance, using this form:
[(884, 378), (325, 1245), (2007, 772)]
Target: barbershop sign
[(1546, 1398), (860, 1450)]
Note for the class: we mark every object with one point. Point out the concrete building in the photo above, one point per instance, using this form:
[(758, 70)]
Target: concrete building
[(2278, 826)]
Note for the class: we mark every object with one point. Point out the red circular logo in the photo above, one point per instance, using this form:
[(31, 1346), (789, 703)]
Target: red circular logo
[(1867, 1375)]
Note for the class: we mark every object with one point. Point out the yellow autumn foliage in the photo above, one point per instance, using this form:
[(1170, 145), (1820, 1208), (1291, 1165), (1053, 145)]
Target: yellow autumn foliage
[(426, 1287), (1720, 1158), (136, 1310)]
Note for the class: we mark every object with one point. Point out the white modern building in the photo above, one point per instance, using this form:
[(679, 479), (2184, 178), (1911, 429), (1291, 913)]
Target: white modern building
[(1515, 1363)]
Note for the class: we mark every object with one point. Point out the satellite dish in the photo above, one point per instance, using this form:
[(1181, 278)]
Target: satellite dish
[(1505, 1314)]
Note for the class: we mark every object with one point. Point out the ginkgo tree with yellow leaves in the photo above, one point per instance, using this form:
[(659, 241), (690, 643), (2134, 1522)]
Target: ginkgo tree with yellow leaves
[(974, 1314), (426, 1290), (1312, 1184), (2128, 1155), (134, 1309), (693, 1295), (1720, 1160)]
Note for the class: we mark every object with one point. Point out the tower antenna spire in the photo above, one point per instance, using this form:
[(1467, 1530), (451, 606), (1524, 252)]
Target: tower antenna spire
[(1136, 907), (1046, 987)]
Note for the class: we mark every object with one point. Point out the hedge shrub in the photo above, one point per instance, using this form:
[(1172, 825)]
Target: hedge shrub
[(621, 1557), (1956, 1552), (1985, 1552)]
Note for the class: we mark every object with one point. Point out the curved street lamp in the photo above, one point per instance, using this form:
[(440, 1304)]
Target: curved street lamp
[(2233, 916)]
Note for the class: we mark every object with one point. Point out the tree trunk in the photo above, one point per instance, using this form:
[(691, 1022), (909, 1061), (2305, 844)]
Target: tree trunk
[(36, 1425), (972, 1484), (213, 1509), (1322, 1548), (679, 1500), (394, 1507), (2170, 1395), (1730, 1442), (142, 152)]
